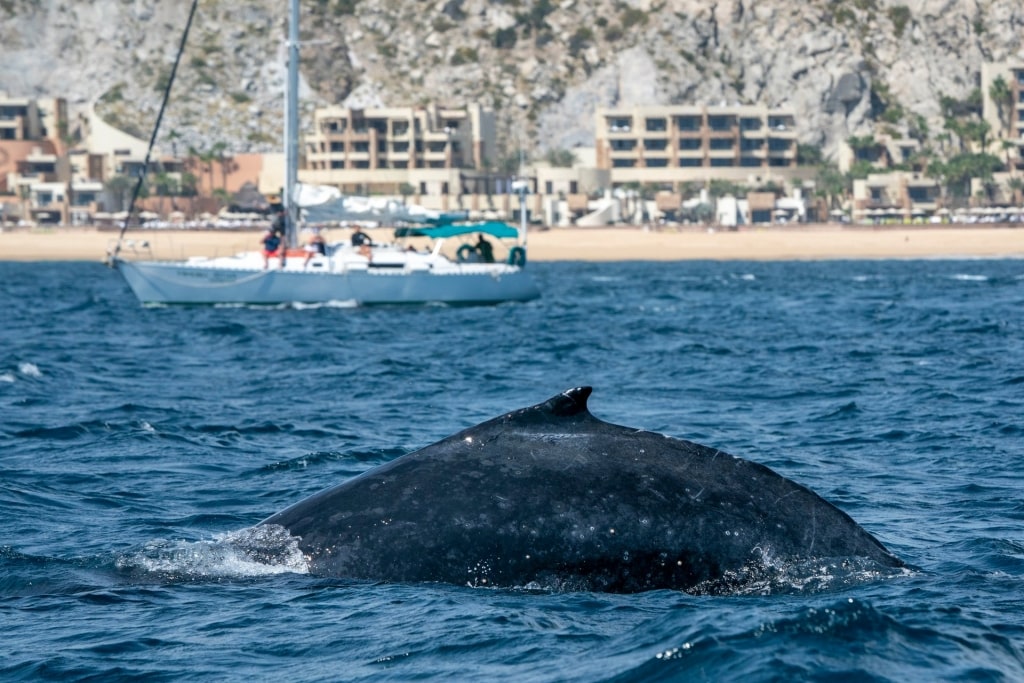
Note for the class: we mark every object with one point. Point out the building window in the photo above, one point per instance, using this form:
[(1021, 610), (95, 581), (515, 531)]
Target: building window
[(623, 163), (622, 145), (658, 145), (656, 125), (689, 144), (690, 163), (720, 144), (337, 164), (722, 162), (919, 194), (779, 145), (657, 163), (549, 187), (750, 162), (337, 146), (720, 123), (688, 123)]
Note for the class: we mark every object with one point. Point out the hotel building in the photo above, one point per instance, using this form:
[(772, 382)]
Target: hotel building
[(673, 145)]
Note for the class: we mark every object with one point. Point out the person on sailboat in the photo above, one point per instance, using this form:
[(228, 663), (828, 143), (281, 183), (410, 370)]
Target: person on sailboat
[(362, 242), (485, 249), (271, 244), (314, 245)]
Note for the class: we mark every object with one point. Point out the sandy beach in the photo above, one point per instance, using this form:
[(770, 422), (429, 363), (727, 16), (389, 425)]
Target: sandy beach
[(810, 242)]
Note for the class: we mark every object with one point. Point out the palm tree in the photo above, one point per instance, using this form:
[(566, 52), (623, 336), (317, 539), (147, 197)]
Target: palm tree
[(1002, 96), (405, 189), (225, 161), (119, 189), (1007, 145), (831, 185), (1016, 184), (206, 158)]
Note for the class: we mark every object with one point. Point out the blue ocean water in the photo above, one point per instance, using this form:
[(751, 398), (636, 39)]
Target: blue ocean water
[(135, 441)]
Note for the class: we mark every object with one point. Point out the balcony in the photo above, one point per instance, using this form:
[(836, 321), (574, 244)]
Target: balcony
[(619, 124), (728, 153)]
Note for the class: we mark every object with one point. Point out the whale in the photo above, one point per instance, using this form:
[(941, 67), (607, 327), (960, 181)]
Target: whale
[(552, 497)]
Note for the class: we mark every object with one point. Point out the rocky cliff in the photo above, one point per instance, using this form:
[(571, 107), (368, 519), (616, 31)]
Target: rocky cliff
[(542, 65)]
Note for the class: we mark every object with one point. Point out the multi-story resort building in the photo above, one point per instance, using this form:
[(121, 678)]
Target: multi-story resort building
[(374, 151), (438, 155), (674, 145)]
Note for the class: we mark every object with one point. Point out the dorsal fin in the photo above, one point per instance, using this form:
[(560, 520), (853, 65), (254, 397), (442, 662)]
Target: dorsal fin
[(568, 403)]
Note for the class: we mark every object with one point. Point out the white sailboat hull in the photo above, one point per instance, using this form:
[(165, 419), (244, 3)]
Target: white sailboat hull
[(242, 280)]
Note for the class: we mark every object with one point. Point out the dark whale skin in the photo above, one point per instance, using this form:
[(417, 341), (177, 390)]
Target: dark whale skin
[(550, 496)]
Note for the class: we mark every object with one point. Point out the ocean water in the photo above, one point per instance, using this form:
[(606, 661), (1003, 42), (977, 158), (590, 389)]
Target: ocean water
[(136, 441)]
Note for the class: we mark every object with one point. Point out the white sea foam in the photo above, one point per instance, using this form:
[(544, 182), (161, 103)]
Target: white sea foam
[(257, 551), (333, 303), (29, 369)]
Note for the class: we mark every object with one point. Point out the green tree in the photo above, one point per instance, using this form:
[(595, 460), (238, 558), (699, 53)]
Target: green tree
[(831, 185), (189, 186), (1007, 146), (720, 188), (204, 160), (1002, 97), (977, 131), (225, 161), (862, 146), (809, 155), (119, 189), (1016, 185), (406, 190), (561, 158), (956, 173)]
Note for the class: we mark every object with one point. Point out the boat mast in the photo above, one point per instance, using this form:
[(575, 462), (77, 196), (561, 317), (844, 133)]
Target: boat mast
[(291, 126)]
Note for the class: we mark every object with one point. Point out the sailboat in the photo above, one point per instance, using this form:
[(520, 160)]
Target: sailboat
[(391, 273)]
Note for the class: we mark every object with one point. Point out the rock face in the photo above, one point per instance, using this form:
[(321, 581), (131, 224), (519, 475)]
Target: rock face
[(542, 65)]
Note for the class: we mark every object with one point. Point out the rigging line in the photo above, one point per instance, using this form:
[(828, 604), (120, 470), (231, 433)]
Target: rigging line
[(156, 130)]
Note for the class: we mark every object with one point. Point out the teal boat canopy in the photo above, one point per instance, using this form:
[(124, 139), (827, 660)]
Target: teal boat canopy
[(492, 228)]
